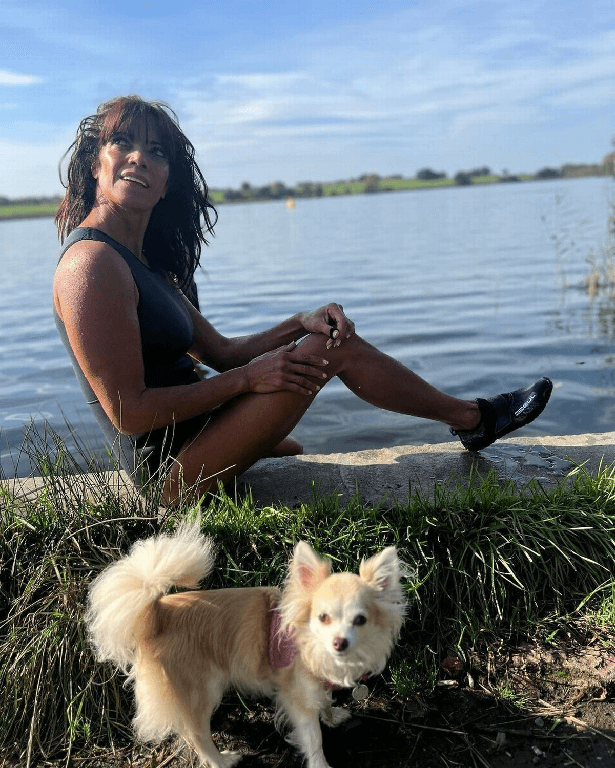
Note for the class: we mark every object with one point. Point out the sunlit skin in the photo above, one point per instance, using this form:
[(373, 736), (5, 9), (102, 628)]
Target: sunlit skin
[(266, 382)]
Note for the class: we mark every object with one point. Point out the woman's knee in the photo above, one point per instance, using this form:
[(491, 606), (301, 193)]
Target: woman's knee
[(340, 355)]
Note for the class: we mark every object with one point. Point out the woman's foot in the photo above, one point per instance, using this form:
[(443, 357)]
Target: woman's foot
[(503, 414)]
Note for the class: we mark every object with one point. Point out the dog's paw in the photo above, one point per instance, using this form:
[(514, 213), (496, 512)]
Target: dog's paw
[(333, 716), (317, 762), (228, 758)]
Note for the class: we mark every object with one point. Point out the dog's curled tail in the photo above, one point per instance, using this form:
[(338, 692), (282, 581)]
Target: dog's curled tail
[(119, 599)]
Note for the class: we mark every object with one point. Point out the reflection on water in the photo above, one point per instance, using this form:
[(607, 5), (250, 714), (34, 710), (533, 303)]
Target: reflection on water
[(602, 315), (479, 289)]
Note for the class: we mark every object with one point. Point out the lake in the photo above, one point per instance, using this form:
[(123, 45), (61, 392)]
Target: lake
[(479, 289)]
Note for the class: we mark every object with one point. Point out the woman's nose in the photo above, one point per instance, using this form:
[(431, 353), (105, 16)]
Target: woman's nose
[(138, 157)]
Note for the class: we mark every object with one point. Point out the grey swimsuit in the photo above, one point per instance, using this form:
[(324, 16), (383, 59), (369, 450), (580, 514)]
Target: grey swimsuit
[(166, 336)]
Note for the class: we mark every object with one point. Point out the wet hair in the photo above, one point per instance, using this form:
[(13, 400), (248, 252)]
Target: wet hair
[(180, 222)]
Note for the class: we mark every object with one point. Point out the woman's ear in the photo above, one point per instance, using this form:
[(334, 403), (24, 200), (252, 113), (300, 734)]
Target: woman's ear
[(95, 168)]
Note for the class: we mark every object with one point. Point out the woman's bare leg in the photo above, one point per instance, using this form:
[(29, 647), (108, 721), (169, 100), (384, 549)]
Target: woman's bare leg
[(247, 429), (384, 382), (253, 426)]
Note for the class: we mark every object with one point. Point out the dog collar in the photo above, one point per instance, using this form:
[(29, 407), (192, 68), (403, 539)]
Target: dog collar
[(359, 691)]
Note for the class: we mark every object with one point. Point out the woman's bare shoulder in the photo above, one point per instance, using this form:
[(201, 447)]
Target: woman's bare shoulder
[(90, 256), (92, 269)]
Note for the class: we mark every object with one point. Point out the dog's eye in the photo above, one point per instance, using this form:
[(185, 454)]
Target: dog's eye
[(324, 618), (359, 620)]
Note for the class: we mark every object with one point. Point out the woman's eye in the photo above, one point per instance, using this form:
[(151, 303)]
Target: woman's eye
[(359, 620)]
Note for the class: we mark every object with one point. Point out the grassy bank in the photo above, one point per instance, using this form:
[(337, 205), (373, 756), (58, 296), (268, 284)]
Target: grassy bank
[(29, 211), (488, 564)]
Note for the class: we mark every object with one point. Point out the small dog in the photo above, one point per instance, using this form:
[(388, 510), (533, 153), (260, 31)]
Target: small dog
[(184, 650)]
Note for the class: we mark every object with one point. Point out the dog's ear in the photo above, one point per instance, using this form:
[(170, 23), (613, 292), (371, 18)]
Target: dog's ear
[(307, 568), (382, 571)]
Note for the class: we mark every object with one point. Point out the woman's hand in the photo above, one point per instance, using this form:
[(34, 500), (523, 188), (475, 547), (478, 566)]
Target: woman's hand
[(286, 368), (329, 320)]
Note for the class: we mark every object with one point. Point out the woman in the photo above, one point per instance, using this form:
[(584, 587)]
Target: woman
[(134, 218)]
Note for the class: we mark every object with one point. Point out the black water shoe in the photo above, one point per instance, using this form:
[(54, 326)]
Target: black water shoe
[(502, 414)]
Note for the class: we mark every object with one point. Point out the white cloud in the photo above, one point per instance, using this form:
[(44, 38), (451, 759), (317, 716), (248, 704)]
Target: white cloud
[(420, 73), (588, 96), (12, 78), (266, 81), (480, 119)]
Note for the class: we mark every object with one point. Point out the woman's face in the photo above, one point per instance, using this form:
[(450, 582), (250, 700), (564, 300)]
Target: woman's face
[(132, 169)]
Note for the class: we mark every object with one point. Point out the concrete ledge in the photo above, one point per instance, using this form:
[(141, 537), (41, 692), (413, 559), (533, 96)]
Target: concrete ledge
[(390, 473), (394, 472)]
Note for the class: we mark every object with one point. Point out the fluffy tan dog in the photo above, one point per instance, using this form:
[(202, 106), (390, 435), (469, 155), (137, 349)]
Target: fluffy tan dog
[(184, 650)]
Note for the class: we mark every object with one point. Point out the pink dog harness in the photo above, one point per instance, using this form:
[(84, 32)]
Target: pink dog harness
[(282, 645)]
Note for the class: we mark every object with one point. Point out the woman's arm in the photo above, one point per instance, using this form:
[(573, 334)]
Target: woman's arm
[(96, 298), (223, 353)]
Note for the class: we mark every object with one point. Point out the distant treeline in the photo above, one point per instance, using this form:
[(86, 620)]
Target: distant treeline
[(426, 177), (53, 200), (368, 183)]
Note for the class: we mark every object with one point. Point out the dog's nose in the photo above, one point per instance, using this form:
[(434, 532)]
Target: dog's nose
[(340, 643)]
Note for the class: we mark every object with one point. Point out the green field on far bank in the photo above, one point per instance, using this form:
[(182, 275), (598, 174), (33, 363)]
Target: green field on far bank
[(279, 192), (27, 211)]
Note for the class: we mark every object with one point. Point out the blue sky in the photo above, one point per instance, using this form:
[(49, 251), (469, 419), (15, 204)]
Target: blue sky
[(315, 90)]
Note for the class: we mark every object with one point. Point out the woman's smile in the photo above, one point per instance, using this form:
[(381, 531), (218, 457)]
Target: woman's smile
[(131, 177)]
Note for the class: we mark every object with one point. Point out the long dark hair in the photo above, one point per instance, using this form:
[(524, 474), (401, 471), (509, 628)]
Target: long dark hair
[(179, 222)]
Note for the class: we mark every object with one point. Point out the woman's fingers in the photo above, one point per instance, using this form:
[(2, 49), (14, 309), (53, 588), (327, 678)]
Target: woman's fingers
[(307, 371), (331, 321), (340, 326), (298, 356), (287, 369), (314, 374)]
